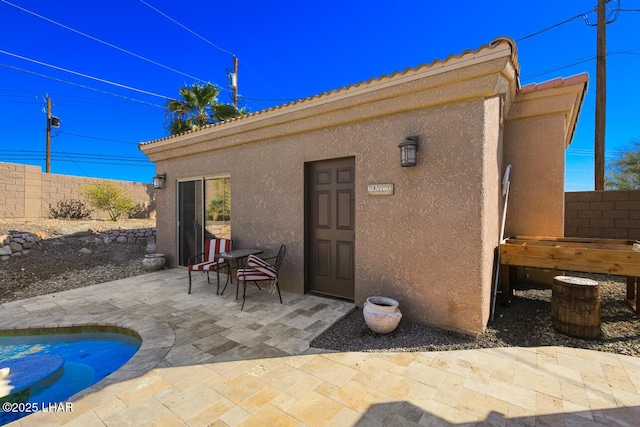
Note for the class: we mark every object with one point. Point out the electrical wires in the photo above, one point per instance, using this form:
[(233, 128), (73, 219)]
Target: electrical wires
[(612, 16), (185, 27), (551, 27), (24, 58), (102, 41), (62, 155), (80, 85)]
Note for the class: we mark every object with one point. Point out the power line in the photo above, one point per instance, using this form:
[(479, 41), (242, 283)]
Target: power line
[(217, 47), (98, 138), (30, 155), (559, 67), (263, 82), (109, 163), (552, 26), (127, 52), (577, 62), (75, 84), (615, 12), (24, 58), (185, 27), (70, 159), (101, 41)]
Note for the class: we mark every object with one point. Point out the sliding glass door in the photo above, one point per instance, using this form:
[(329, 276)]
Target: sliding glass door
[(204, 212)]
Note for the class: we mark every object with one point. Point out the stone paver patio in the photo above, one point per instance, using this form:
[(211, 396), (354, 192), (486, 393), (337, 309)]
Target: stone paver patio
[(203, 362)]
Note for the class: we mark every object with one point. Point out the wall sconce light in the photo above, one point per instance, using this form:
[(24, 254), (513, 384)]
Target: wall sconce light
[(158, 181), (408, 149)]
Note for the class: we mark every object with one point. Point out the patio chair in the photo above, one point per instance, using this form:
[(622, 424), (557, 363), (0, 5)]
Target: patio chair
[(259, 270), (210, 262)]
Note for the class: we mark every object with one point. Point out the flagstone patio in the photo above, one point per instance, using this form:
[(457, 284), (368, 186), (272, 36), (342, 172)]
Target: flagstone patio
[(205, 362)]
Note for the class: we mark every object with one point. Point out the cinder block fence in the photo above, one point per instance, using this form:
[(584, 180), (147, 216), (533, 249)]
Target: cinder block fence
[(26, 192), (603, 214)]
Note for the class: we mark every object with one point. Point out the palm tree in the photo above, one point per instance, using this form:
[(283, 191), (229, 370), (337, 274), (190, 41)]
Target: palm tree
[(199, 107)]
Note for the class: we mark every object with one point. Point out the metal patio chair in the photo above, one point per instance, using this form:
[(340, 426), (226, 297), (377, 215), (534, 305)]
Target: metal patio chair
[(259, 270), (210, 262)]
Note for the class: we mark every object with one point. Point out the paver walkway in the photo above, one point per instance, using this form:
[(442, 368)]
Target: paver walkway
[(203, 362)]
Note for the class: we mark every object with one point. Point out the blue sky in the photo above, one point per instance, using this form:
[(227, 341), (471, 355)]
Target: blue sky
[(126, 57)]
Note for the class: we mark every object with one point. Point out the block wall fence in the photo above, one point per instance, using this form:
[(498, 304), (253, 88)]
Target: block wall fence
[(26, 192), (605, 214)]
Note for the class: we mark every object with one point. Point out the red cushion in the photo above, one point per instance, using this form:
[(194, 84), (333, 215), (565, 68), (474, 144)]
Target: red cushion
[(253, 274), (254, 261), (215, 246), (262, 265), (209, 266)]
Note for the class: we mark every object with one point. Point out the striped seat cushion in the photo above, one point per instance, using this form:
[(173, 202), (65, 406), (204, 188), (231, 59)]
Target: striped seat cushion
[(255, 261), (249, 274), (262, 265), (215, 246), (209, 265)]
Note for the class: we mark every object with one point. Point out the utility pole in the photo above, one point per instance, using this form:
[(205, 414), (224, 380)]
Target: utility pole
[(235, 82), (601, 95), (48, 145)]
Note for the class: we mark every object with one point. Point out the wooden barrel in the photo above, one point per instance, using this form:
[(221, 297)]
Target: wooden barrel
[(576, 306)]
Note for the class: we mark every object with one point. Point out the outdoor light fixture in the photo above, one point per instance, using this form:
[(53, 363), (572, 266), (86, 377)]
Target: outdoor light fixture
[(158, 181), (408, 149)]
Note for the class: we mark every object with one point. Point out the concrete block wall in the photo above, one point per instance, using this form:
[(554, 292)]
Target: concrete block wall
[(18, 184), (603, 214), (26, 192)]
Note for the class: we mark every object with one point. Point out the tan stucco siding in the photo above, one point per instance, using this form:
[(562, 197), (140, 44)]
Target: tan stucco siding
[(405, 243), (431, 244), (492, 206), (432, 265), (536, 149)]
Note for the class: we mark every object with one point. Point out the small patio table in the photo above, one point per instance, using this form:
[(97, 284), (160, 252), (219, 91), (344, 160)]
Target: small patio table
[(238, 255)]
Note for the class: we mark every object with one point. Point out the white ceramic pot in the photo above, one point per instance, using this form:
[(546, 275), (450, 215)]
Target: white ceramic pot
[(381, 314), (153, 262)]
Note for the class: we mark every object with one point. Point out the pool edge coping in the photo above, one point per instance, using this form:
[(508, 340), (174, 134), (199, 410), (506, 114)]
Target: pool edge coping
[(157, 340)]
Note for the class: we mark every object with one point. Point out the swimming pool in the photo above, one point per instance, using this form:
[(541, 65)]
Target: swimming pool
[(67, 363)]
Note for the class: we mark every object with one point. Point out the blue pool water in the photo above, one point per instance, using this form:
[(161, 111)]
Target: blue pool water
[(87, 357)]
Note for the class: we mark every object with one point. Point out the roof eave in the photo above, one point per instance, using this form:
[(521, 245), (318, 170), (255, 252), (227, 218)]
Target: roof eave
[(499, 49)]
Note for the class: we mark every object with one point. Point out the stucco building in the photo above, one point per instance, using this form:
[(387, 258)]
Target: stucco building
[(323, 176)]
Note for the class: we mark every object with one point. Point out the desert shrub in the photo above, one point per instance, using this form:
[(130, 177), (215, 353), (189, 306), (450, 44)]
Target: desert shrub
[(137, 211), (108, 197), (70, 209)]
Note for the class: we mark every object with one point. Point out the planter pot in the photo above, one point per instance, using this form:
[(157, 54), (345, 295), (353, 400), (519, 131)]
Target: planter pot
[(153, 262), (381, 314)]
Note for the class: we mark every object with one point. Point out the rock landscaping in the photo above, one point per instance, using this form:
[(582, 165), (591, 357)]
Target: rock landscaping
[(18, 243), (54, 255)]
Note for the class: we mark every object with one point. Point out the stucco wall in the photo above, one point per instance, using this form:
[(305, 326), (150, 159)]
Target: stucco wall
[(431, 244), (603, 214), (536, 201), (405, 243), (26, 192)]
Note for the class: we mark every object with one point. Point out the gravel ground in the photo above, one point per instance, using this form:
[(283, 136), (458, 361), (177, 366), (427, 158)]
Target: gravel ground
[(57, 264), (525, 323)]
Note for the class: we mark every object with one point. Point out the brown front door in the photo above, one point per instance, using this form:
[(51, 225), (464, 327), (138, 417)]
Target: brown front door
[(330, 225)]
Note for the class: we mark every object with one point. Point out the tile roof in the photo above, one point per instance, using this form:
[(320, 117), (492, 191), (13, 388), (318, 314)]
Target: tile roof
[(567, 81), (438, 63)]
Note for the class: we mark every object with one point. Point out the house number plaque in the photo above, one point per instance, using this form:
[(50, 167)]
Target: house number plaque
[(380, 189)]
